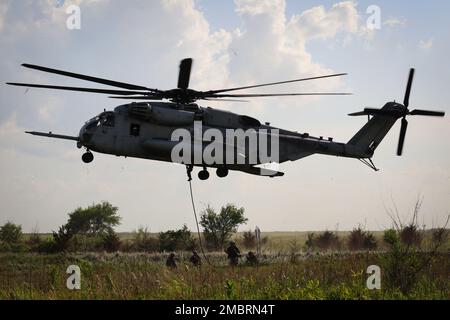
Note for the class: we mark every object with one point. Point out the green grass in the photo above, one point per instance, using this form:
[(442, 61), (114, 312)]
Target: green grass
[(144, 276)]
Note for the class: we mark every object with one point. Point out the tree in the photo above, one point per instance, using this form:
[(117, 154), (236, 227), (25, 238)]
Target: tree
[(218, 228), (10, 233), (97, 219)]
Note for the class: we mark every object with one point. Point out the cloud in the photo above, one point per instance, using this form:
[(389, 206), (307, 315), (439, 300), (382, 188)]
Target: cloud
[(426, 45), (395, 22), (317, 23)]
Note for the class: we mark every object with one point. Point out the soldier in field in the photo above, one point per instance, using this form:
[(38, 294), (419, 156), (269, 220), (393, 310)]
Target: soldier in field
[(233, 254), (170, 262), (195, 259)]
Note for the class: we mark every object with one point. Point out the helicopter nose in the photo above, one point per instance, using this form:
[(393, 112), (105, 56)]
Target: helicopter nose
[(84, 136)]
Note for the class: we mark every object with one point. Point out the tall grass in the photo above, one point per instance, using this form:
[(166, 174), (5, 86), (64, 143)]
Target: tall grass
[(144, 276)]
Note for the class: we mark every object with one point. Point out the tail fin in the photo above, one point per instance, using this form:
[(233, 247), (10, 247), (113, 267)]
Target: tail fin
[(370, 136)]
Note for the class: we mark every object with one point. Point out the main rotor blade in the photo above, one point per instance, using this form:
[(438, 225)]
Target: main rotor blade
[(276, 83), (226, 100), (418, 112), (92, 90), (276, 95), (401, 139), (408, 88), (89, 78), (185, 73), (149, 97)]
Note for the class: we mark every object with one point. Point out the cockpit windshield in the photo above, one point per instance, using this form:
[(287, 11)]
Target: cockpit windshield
[(94, 122), (107, 119), (104, 119)]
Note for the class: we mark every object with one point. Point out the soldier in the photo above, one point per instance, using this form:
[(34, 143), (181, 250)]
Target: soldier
[(170, 262), (195, 259), (252, 259), (233, 254)]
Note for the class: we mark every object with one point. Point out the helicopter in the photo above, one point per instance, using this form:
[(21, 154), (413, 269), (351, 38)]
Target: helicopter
[(144, 128)]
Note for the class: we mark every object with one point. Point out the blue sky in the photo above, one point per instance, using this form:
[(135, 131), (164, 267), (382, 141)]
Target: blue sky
[(233, 43)]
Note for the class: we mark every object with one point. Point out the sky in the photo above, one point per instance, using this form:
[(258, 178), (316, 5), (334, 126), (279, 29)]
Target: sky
[(232, 43)]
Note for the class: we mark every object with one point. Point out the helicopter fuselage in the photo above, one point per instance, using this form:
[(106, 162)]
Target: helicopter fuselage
[(145, 130)]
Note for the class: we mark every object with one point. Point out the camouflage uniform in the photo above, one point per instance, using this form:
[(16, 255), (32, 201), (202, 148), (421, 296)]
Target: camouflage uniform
[(252, 259), (195, 259), (233, 254), (170, 262)]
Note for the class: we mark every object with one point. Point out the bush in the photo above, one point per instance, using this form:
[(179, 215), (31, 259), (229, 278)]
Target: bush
[(10, 233), (361, 240), (410, 235), (390, 237), (111, 242), (143, 241), (327, 240), (175, 240), (249, 239), (61, 239)]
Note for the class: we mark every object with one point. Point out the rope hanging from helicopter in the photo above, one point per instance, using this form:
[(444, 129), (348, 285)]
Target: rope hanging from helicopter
[(189, 171)]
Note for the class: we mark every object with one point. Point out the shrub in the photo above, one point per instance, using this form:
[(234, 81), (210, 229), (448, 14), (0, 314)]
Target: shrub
[(360, 239), (143, 241), (174, 240), (61, 239), (248, 239), (327, 240), (410, 235), (10, 233), (111, 241)]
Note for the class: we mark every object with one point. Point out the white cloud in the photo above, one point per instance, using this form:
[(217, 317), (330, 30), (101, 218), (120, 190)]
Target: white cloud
[(317, 23), (395, 22), (426, 45)]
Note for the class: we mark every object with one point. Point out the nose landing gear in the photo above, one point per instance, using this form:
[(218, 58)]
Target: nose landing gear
[(87, 157), (203, 175), (222, 172)]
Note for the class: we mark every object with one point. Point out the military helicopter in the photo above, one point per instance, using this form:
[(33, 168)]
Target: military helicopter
[(144, 128)]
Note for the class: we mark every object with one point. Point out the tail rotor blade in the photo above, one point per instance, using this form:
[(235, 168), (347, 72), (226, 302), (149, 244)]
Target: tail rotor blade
[(185, 73), (401, 139), (418, 112), (408, 88)]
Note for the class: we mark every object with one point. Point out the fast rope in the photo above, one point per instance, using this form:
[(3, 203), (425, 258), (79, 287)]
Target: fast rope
[(189, 171)]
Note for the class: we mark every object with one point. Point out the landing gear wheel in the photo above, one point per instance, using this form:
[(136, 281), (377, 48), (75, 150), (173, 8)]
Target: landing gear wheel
[(203, 175), (87, 157), (222, 172)]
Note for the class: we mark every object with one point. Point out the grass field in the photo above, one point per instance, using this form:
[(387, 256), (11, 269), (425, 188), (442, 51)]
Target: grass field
[(285, 272)]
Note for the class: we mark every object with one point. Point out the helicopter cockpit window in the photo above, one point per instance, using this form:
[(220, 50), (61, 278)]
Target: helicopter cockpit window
[(93, 123), (135, 129), (107, 120)]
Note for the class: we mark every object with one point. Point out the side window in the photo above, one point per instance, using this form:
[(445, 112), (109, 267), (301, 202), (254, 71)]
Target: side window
[(135, 129)]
